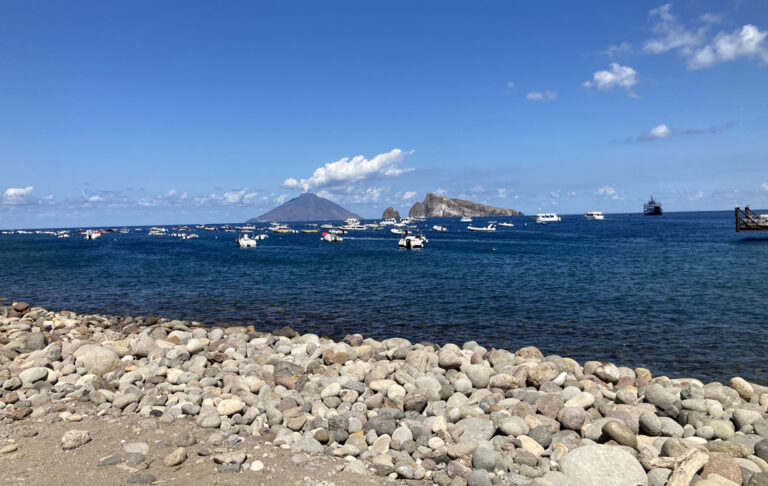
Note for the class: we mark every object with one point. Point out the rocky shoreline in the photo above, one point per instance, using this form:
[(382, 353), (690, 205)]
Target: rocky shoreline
[(386, 411)]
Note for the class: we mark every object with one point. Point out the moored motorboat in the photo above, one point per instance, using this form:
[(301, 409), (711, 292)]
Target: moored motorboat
[(548, 218), (594, 215), (465, 219), (489, 227), (398, 231), (507, 225), (92, 235), (332, 238), (437, 227), (245, 241), (412, 242)]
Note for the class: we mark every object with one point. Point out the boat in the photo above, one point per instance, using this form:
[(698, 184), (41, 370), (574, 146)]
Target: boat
[(64, 235), (331, 238), (326, 226), (353, 224), (465, 219), (92, 235), (652, 208), (490, 227), (311, 228), (548, 217), (211, 228), (246, 227), (245, 241), (260, 237), (437, 227), (595, 215), (411, 242), (280, 228), (507, 225), (189, 236), (398, 231)]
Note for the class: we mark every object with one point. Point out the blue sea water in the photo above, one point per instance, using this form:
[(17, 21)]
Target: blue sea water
[(681, 294)]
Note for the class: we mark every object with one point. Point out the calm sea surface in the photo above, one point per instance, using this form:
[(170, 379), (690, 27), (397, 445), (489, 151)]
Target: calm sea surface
[(681, 294)]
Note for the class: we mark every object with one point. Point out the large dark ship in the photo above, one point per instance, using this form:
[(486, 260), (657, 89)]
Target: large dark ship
[(652, 208)]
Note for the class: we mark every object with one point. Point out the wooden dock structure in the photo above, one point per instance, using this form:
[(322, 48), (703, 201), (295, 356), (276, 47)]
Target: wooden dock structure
[(748, 220)]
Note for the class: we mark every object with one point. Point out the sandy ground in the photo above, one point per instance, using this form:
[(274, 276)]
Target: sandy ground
[(39, 459)]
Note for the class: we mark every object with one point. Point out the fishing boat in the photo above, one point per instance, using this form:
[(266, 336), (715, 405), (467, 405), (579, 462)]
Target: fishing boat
[(311, 228), (594, 215), (507, 225), (548, 217), (245, 241), (437, 227), (465, 219), (489, 227), (280, 228), (652, 208), (331, 238), (412, 242), (211, 228), (189, 236)]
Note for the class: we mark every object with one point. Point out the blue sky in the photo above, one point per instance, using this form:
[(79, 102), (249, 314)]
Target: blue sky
[(117, 113)]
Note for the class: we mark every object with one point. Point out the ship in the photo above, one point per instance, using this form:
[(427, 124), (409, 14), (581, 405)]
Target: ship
[(652, 208)]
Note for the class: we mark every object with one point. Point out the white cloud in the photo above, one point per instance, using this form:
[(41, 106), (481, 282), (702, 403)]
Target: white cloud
[(671, 34), (93, 198), (698, 195), (282, 198), (371, 195), (617, 75), (441, 191), (409, 195), (613, 51), (659, 131), (234, 197), (503, 193), (747, 42), (710, 18), (764, 186), (541, 96), (610, 193), (17, 195), (346, 171)]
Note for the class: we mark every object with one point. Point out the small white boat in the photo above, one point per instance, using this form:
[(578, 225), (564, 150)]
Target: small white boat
[(326, 226), (507, 225), (92, 235), (411, 242), (245, 241), (247, 227), (189, 236), (388, 222), (595, 215), (437, 227), (332, 238), (465, 219), (398, 231), (548, 218), (64, 235), (490, 227), (260, 237)]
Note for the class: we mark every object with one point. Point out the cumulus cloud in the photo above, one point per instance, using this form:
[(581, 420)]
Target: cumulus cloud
[(764, 186), (92, 198), (609, 192), (614, 51), (663, 131), (616, 76), (351, 170), (409, 195), (541, 96), (747, 42), (17, 195), (671, 34)]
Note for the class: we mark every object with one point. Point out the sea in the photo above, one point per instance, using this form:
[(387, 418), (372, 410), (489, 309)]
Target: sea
[(682, 294)]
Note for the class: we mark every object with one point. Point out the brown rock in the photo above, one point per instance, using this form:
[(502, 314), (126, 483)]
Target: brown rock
[(722, 465), (288, 382), (744, 389), (11, 397), (20, 413), (542, 373), (20, 306), (330, 358), (529, 352)]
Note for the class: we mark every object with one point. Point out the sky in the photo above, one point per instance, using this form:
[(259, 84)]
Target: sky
[(123, 113)]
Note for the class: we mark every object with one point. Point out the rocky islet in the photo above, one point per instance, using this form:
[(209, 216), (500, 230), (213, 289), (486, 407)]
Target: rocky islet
[(409, 412)]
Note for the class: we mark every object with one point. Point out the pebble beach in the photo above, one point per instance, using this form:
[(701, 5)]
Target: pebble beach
[(246, 403)]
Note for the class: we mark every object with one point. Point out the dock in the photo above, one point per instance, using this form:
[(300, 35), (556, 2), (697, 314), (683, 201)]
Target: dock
[(748, 220)]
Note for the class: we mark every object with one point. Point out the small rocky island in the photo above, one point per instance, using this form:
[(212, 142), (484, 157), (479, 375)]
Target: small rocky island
[(390, 213), (438, 206)]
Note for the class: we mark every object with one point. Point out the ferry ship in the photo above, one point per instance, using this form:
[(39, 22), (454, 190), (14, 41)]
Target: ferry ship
[(652, 208)]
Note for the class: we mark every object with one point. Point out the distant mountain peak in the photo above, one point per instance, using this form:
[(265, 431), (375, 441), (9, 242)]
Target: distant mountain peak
[(306, 207)]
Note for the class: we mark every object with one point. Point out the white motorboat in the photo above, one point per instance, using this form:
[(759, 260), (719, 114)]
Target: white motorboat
[(332, 238), (465, 219), (490, 227), (63, 235), (260, 237), (388, 222), (326, 226), (398, 231), (411, 242), (594, 215), (353, 224), (189, 236), (246, 227), (92, 235), (548, 218), (437, 227), (507, 225), (245, 241)]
